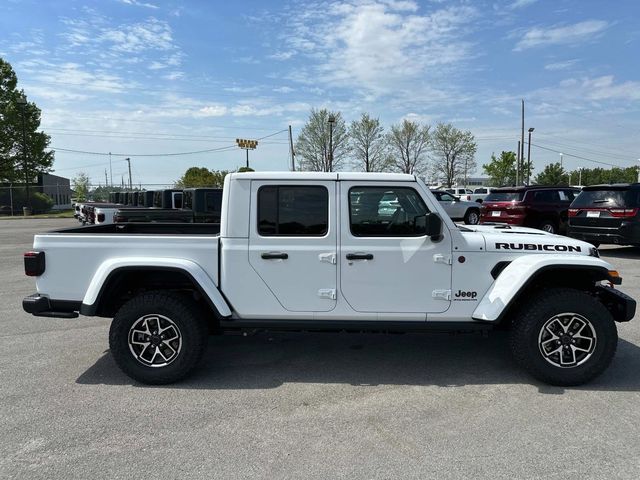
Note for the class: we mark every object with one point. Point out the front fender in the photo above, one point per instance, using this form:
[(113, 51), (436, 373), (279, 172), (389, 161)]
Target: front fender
[(194, 270), (521, 271)]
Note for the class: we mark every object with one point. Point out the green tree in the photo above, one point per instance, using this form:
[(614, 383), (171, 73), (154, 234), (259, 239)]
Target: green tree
[(369, 147), (80, 185), (313, 143), (598, 175), (201, 177), (12, 116), (454, 153), (501, 170), (553, 174), (408, 143)]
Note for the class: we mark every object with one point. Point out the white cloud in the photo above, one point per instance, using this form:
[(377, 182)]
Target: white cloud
[(521, 4), (561, 65), (561, 35), (139, 4), (152, 34), (212, 111), (379, 46)]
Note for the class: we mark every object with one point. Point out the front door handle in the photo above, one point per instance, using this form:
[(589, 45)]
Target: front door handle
[(359, 256), (275, 256)]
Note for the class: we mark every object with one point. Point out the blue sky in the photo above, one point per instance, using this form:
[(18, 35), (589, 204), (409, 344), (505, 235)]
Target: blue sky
[(142, 77)]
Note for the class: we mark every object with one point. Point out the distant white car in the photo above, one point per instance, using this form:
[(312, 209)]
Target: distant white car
[(478, 195), (458, 209), (459, 191)]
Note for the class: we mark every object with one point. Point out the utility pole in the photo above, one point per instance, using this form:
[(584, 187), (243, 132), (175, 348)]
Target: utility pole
[(518, 166), (561, 155), (110, 170), (106, 179), (293, 153), (130, 182), (639, 172), (522, 146), (531, 129), (331, 121)]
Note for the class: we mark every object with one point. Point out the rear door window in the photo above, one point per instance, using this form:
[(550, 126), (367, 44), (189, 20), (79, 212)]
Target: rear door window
[(293, 211), (545, 196)]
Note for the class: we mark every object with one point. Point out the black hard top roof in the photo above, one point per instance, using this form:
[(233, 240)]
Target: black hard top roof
[(613, 186)]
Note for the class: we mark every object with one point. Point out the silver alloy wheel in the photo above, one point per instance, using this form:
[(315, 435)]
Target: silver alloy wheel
[(567, 340), (473, 218), (155, 340)]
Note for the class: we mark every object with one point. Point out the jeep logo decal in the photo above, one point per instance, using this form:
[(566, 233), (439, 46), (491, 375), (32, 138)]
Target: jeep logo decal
[(534, 246), (465, 296)]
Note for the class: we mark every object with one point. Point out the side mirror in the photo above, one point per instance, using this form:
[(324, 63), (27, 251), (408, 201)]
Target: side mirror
[(429, 224)]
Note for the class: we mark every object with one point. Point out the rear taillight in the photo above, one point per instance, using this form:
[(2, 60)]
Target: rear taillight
[(516, 208), (100, 217), (623, 212), (34, 263), (573, 212)]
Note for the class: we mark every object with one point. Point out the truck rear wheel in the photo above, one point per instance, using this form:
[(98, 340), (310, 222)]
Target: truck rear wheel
[(157, 337), (564, 337)]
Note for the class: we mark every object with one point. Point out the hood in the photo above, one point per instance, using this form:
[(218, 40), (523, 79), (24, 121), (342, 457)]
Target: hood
[(505, 238)]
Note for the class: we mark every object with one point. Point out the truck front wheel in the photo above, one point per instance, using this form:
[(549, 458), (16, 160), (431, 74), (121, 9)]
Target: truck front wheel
[(157, 337), (564, 337)]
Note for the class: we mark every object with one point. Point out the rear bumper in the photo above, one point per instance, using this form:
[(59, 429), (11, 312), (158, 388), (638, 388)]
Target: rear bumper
[(41, 306), (626, 234)]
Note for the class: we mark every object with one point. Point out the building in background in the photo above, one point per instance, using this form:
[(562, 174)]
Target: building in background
[(58, 188)]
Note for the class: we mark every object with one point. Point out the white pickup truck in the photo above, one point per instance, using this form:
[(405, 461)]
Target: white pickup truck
[(325, 251)]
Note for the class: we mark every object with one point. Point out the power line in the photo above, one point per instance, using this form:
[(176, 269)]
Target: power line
[(576, 156), (211, 150)]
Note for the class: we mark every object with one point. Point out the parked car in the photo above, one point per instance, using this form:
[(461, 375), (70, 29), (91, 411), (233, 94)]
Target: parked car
[(469, 212), (159, 215), (545, 208), (607, 214), (291, 254), (478, 195), (204, 203), (458, 191)]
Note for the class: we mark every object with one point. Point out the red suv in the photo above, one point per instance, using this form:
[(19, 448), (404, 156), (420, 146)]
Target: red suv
[(540, 207)]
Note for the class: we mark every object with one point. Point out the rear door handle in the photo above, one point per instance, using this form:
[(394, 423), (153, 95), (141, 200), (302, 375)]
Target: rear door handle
[(275, 256), (359, 256)]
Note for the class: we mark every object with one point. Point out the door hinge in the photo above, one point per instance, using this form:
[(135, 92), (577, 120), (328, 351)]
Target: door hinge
[(441, 294), (439, 258), (328, 258), (329, 293)]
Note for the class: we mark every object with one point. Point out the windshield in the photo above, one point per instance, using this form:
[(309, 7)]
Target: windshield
[(504, 197), (607, 198)]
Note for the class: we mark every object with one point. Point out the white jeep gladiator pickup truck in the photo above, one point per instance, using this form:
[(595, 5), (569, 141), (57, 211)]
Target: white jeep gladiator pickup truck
[(325, 251)]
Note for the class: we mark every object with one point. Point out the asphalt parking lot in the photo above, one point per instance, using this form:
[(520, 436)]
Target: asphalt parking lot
[(303, 406)]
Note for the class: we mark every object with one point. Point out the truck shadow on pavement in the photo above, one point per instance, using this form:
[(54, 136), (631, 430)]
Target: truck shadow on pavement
[(269, 360)]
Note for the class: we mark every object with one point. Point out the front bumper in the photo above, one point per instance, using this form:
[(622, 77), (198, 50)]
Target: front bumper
[(621, 305), (41, 306)]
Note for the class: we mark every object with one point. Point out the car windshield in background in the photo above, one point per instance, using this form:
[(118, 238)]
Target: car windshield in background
[(607, 198), (504, 197)]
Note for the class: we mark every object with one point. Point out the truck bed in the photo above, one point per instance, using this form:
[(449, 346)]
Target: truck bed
[(147, 228)]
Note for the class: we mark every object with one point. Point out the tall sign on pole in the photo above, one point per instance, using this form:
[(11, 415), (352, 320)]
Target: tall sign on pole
[(247, 145)]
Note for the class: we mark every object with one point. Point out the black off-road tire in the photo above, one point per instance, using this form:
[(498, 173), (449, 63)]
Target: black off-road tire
[(531, 319), (179, 310), (472, 216)]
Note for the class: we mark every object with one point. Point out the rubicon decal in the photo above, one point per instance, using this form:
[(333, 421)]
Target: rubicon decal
[(538, 246)]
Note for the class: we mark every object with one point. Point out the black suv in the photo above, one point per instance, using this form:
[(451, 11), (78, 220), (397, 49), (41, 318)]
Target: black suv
[(607, 214)]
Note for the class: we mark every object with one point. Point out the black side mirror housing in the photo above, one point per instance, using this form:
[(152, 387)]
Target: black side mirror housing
[(430, 224)]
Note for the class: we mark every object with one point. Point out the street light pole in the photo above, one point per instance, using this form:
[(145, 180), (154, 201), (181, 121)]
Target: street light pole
[(22, 101), (332, 120)]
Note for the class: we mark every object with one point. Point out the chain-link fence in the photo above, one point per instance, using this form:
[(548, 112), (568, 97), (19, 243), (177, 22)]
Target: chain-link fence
[(15, 198)]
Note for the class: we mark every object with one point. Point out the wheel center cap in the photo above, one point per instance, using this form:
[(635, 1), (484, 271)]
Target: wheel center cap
[(155, 340), (565, 339)]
